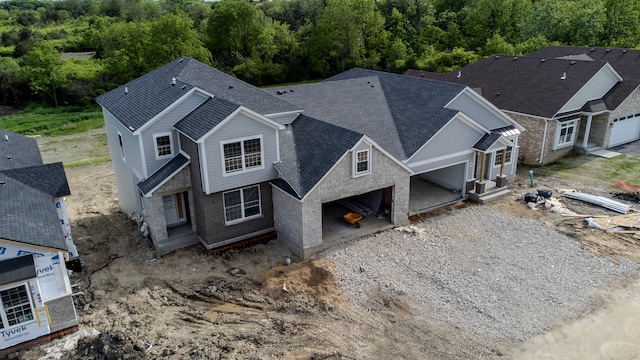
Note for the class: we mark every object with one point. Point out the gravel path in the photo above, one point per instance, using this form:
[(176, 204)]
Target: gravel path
[(493, 275)]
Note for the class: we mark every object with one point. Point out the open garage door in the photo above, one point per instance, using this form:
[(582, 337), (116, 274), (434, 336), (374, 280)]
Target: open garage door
[(370, 212), (437, 188), (625, 130)]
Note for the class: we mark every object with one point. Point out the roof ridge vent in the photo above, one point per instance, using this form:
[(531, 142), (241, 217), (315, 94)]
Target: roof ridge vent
[(6, 137), (608, 50), (126, 90), (624, 51), (564, 76), (573, 62), (497, 57), (173, 81), (515, 58), (459, 74), (543, 60), (593, 49)]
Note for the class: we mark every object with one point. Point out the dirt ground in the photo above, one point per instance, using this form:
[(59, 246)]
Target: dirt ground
[(246, 304)]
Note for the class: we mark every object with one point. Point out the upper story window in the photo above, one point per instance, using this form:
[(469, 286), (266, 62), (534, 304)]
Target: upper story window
[(121, 146), (241, 155), (164, 148), (507, 158), (16, 306), (241, 204), (362, 162), (566, 133)]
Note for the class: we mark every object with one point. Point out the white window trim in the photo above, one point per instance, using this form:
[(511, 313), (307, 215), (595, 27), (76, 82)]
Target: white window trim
[(3, 314), (244, 168), (559, 126), (121, 143), (243, 218), (155, 145), (495, 156), (355, 162)]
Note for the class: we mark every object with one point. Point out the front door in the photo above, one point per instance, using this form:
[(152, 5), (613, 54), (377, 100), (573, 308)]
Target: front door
[(174, 211)]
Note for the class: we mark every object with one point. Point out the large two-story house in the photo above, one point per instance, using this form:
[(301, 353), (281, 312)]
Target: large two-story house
[(206, 158)]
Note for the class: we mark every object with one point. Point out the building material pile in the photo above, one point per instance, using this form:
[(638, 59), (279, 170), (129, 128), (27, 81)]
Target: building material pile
[(599, 200)]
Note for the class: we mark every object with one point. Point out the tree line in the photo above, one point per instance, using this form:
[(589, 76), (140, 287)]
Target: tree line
[(268, 42)]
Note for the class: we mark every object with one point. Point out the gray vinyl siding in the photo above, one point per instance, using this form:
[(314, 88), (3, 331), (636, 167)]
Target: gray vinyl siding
[(238, 128), (480, 114), (163, 125), (454, 137), (595, 88), (124, 169), (440, 164)]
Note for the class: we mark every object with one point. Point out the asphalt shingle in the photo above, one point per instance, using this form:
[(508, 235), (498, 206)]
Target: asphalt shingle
[(205, 117), (139, 100), (18, 151), (309, 148), (166, 171), (49, 178), (527, 84)]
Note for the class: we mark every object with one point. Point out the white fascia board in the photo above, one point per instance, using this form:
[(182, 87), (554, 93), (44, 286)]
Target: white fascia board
[(492, 108), (142, 155), (606, 68), (285, 113), (246, 111), (371, 142), (169, 108), (150, 193)]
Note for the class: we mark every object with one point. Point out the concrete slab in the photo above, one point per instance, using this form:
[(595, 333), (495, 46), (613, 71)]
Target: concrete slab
[(425, 196), (605, 153), (336, 230)]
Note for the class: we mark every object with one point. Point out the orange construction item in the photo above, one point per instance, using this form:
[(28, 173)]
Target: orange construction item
[(352, 218)]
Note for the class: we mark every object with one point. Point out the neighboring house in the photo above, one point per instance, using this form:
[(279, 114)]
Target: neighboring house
[(566, 97), (205, 157), (35, 243)]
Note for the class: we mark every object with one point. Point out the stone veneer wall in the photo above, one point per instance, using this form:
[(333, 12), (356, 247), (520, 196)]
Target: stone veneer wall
[(530, 141), (62, 313), (630, 106), (302, 232)]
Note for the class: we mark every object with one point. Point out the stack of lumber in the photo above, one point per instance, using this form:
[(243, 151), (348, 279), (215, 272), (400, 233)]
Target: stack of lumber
[(629, 223)]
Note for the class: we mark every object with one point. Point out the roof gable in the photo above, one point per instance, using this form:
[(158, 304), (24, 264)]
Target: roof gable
[(527, 85), (626, 62), (162, 175), (204, 118), (50, 178), (309, 149)]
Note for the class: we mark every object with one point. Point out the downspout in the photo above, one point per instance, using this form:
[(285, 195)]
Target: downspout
[(544, 139)]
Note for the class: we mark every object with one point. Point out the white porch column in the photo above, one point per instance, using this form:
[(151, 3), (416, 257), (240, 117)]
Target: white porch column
[(587, 130)]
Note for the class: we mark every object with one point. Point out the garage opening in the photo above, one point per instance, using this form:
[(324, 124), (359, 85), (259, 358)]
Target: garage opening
[(436, 189), (372, 212)]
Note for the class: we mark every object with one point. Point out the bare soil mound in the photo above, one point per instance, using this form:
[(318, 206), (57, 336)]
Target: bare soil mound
[(315, 279)]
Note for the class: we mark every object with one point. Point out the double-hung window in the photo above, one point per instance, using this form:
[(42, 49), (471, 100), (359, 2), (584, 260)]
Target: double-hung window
[(16, 306), (164, 148), (241, 155), (507, 158), (362, 162), (566, 133), (242, 204)]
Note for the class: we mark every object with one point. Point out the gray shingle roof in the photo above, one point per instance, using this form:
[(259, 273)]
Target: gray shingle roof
[(400, 113), (205, 117), (17, 269), (18, 151), (49, 178), (166, 171), (524, 84), (486, 141), (626, 62), (309, 148), (28, 215), (148, 95)]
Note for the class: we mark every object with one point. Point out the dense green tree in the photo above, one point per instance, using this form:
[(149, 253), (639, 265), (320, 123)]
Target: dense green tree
[(44, 68), (296, 13), (11, 80), (622, 25), (233, 28), (350, 33), (484, 18), (172, 36)]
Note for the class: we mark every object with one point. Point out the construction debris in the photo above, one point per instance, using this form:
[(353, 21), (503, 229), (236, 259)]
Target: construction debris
[(599, 200), (626, 224), (545, 198)]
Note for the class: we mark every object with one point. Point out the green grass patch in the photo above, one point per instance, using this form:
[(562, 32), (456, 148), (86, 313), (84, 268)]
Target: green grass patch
[(594, 170), (88, 162), (46, 121)]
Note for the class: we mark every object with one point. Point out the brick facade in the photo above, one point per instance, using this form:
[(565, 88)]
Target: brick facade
[(530, 141)]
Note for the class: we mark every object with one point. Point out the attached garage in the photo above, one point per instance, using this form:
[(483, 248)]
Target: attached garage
[(437, 188), (625, 130)]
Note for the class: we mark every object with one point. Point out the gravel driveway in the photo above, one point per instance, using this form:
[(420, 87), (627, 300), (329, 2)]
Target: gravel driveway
[(495, 276)]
